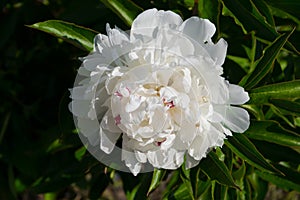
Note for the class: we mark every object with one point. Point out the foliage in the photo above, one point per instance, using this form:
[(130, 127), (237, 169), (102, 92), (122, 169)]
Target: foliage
[(41, 153)]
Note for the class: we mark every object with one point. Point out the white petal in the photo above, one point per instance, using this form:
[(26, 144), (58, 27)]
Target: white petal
[(200, 30), (217, 51), (237, 95), (90, 129), (199, 147), (130, 159), (190, 162), (141, 157), (116, 36), (145, 23), (236, 119), (101, 42), (108, 140), (80, 108)]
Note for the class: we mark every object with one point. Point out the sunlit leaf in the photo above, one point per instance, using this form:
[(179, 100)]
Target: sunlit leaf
[(157, 177), (77, 35), (265, 63), (284, 90), (271, 131)]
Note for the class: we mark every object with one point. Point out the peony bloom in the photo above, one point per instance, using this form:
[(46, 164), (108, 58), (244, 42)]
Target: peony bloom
[(159, 92)]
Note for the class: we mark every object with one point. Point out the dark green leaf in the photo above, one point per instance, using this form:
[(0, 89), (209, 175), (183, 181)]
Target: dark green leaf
[(246, 150), (282, 153), (77, 35), (284, 90), (260, 187), (125, 9), (249, 21), (209, 10), (217, 170), (290, 6), (280, 181), (263, 8), (157, 177), (185, 177), (265, 63), (291, 106), (271, 131)]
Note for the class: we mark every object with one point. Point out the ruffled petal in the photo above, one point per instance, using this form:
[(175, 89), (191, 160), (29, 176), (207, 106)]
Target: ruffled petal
[(200, 30), (89, 128), (237, 95), (145, 24)]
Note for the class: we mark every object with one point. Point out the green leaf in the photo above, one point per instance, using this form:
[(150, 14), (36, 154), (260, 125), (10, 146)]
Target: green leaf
[(290, 6), (263, 8), (282, 153), (260, 187), (246, 150), (209, 10), (217, 170), (284, 90), (185, 177), (157, 177), (271, 131), (265, 63), (291, 106), (125, 9), (249, 21), (77, 35), (280, 181)]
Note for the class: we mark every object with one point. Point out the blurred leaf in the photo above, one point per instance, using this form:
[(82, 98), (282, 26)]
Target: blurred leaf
[(157, 177), (125, 9), (260, 187), (284, 90), (79, 36), (271, 131), (290, 6), (278, 180), (217, 170), (98, 185), (182, 193), (246, 150), (265, 63), (209, 10)]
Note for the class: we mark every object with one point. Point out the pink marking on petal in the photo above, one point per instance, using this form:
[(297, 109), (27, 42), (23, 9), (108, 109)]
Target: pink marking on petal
[(158, 143), (169, 104), (117, 120), (118, 94)]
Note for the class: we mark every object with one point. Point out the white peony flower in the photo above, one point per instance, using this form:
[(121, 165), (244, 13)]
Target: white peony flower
[(159, 92)]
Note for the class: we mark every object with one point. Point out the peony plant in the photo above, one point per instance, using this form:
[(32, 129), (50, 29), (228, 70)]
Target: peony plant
[(158, 100)]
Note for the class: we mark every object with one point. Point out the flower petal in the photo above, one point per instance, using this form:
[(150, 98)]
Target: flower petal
[(237, 95), (237, 119), (200, 30), (144, 24)]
